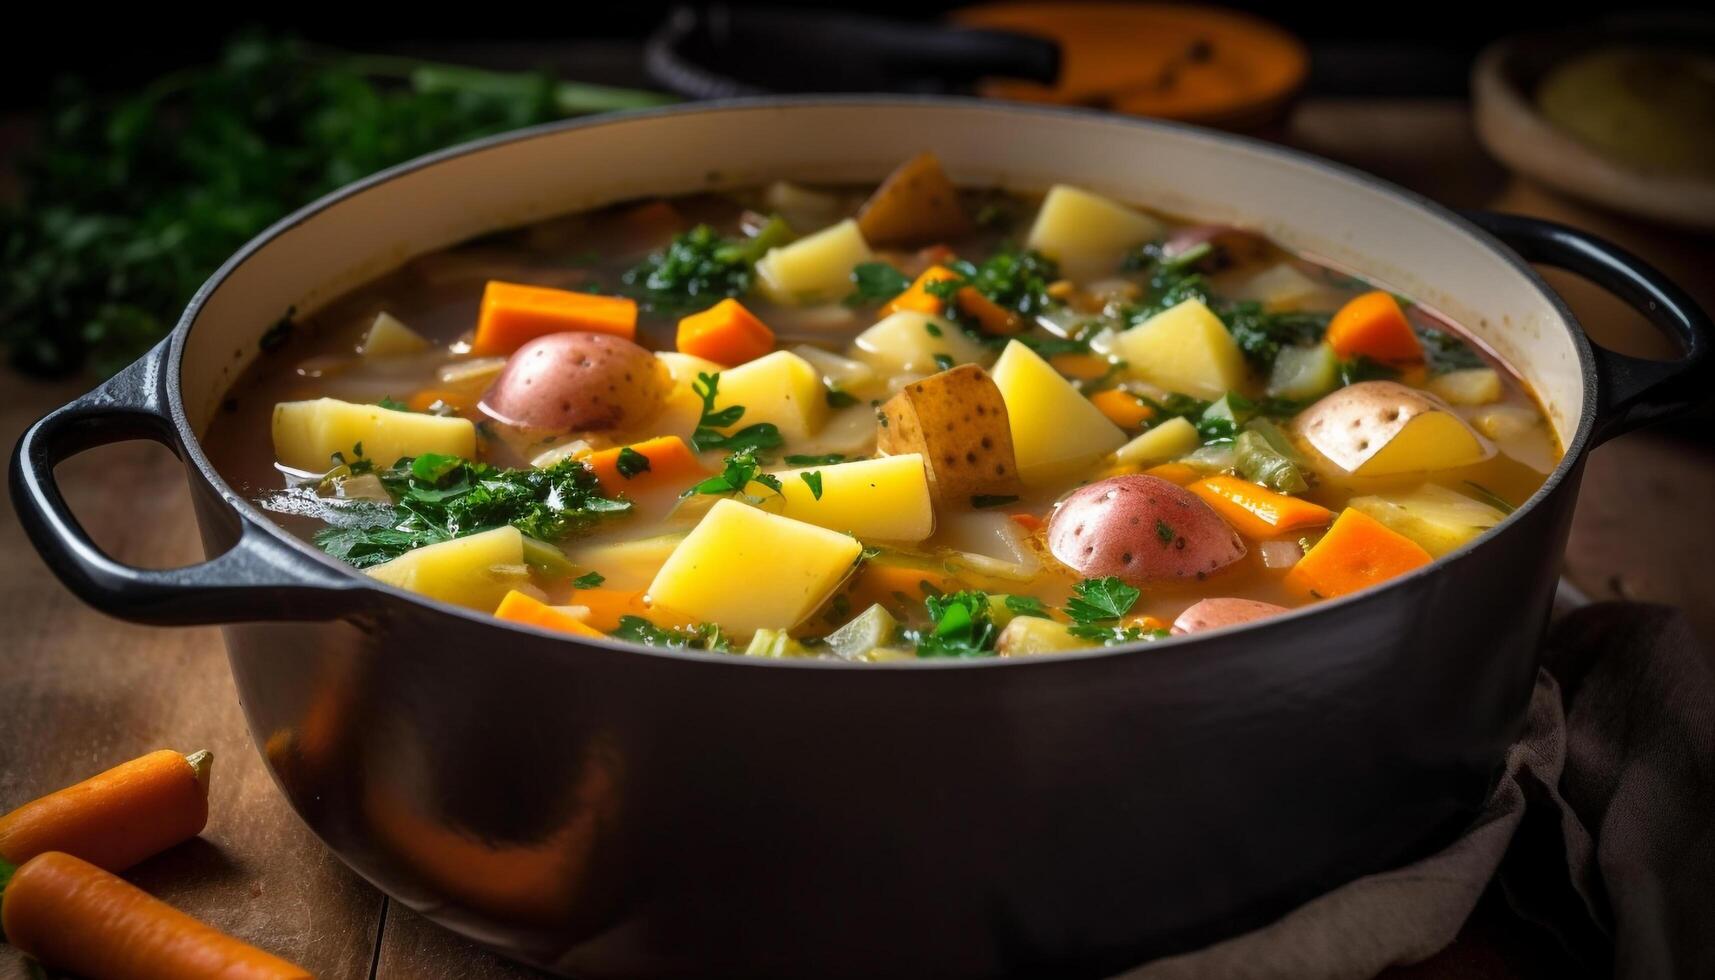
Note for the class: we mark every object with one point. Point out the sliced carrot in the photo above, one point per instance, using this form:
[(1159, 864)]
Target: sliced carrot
[(1120, 406), (725, 333), (1180, 473), (887, 582), (520, 608), (426, 399), (606, 606), (1374, 326), (1083, 367), (1257, 512), (990, 316), (514, 314), (116, 818), (671, 462), (1030, 522), (1356, 553), (75, 917)]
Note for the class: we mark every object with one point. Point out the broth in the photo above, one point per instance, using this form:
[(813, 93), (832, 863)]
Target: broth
[(1465, 442)]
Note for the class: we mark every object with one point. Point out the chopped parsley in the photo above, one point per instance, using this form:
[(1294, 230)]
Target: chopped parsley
[(1260, 335), (393, 404), (699, 267), (1447, 352), (761, 436), (1015, 281), (740, 470), (827, 459), (982, 500), (703, 636), (1164, 531), (631, 462), (588, 580), (931, 328), (1362, 368), (962, 626), (1100, 600), (438, 498), (813, 480), (875, 282), (839, 399), (1027, 605), (944, 362)]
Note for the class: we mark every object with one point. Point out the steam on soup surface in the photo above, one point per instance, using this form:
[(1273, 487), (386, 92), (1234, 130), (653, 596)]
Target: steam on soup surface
[(875, 424)]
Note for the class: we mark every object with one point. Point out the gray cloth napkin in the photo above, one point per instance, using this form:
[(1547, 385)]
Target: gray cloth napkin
[(1602, 831)]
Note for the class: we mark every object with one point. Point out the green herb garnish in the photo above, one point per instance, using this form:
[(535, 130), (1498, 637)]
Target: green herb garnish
[(699, 267), (761, 436), (1164, 531), (740, 470), (703, 636), (1027, 605), (1447, 352), (588, 580), (437, 498), (1099, 600), (875, 282), (827, 459), (813, 480), (981, 500), (944, 362), (963, 626), (631, 462)]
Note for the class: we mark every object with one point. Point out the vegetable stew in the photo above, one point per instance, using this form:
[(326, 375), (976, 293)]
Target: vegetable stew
[(882, 423)]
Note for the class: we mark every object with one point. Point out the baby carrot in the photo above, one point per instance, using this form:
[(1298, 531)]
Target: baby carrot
[(117, 818), (73, 916)]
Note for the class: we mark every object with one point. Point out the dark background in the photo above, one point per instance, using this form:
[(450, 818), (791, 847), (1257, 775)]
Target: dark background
[(1376, 49)]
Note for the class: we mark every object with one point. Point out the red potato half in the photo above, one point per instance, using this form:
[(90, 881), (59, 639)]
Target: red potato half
[(578, 382), (1212, 614), (1141, 529)]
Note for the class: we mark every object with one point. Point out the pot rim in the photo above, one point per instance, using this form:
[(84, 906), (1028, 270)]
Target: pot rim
[(247, 512)]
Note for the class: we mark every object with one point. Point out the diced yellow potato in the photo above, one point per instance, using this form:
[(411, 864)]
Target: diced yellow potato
[(1474, 386), (748, 570), (1169, 440), (782, 388), (627, 565), (1056, 431), (1382, 428), (307, 434), (387, 337), (474, 571), (1280, 288), (1437, 518), (909, 341), (1026, 635), (684, 368), (1185, 349), (842, 373), (1087, 234), (882, 499), (815, 268)]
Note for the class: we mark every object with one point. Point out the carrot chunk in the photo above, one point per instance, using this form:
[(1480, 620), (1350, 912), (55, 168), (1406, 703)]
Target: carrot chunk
[(1030, 522), (1121, 407), (520, 608), (514, 314), (606, 606), (670, 462), (1257, 512), (1178, 473), (116, 818), (1356, 553), (990, 316), (1374, 326), (725, 333), (1083, 367), (75, 917)]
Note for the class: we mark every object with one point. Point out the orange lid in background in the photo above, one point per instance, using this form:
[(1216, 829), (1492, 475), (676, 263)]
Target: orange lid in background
[(1196, 64)]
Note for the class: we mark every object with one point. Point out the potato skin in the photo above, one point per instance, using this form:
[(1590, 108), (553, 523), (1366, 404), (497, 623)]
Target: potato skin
[(957, 421), (1141, 529), (578, 382), (1212, 614)]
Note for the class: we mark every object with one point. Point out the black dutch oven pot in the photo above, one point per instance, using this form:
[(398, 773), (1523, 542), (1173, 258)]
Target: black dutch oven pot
[(599, 809)]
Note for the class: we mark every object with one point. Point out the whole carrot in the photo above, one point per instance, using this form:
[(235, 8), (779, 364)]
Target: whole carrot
[(117, 818), (73, 916)]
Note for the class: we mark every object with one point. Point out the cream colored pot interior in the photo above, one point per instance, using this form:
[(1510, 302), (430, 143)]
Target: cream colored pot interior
[(1303, 204)]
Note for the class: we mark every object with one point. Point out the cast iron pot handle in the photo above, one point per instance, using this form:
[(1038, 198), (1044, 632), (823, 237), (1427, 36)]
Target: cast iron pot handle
[(1632, 392), (259, 578)]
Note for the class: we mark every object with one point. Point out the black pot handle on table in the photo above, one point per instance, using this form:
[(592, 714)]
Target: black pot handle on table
[(258, 578), (1631, 391)]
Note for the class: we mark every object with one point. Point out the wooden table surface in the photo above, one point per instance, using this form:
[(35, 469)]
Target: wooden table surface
[(80, 692)]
